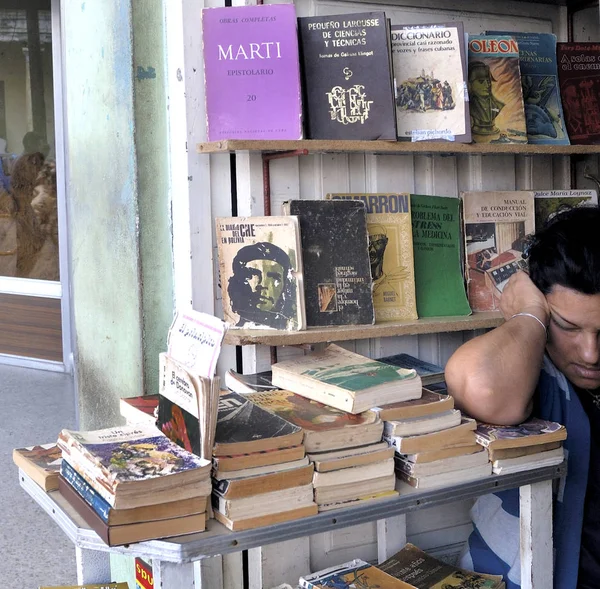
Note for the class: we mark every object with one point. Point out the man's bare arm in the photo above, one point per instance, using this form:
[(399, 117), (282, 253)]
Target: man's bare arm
[(493, 377)]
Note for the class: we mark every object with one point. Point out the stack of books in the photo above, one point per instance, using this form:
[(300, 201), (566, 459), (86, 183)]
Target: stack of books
[(352, 464), (261, 474), (532, 444), (132, 483), (434, 443)]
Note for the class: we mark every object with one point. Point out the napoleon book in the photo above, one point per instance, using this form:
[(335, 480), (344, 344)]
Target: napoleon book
[(495, 95), (430, 72), (252, 72), (390, 253), (579, 78), (260, 263), (497, 228), (347, 76)]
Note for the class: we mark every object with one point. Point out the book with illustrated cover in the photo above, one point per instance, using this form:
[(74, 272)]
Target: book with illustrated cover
[(390, 253), (347, 76), (41, 463), (337, 269), (529, 433), (345, 380), (429, 372), (496, 104), (541, 93), (325, 428), (550, 202), (497, 226), (579, 79), (252, 72), (430, 70), (249, 383), (438, 244), (350, 575), (424, 571), (144, 578), (260, 265), (244, 427)]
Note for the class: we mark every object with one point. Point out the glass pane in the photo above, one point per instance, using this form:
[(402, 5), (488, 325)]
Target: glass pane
[(28, 213)]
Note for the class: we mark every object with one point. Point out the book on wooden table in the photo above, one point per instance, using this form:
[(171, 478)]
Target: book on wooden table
[(349, 457), (504, 453), (414, 426), (428, 404), (140, 409), (459, 435), (41, 463), (356, 573), (261, 272), (390, 253), (118, 517), (135, 465), (262, 459), (245, 427), (461, 462), (117, 535), (367, 498), (329, 494), (335, 254), (579, 80), (424, 571), (355, 474), (249, 383), (443, 479), (345, 380), (264, 508), (538, 460), (461, 449), (497, 226), (544, 116), (532, 432), (430, 69), (428, 371), (550, 202), (252, 72), (347, 76), (438, 245), (325, 428), (496, 104)]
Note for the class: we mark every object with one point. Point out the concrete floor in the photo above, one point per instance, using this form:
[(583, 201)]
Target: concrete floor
[(37, 405)]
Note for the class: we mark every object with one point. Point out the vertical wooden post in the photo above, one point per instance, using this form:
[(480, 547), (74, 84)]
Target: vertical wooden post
[(391, 536), (92, 566)]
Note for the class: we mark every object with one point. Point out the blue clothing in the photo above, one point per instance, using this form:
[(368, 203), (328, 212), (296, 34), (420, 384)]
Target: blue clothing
[(493, 546)]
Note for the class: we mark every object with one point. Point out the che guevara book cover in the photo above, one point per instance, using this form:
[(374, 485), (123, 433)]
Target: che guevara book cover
[(260, 264), (252, 72), (497, 228), (430, 63), (579, 79), (347, 76), (350, 575), (541, 94), (496, 106), (390, 253)]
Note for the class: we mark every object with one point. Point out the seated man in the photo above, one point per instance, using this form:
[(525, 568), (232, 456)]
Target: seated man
[(543, 361)]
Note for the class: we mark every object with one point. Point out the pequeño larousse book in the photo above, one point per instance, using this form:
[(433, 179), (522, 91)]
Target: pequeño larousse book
[(252, 72), (347, 76)]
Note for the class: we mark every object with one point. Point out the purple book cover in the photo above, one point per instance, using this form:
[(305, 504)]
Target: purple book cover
[(252, 72)]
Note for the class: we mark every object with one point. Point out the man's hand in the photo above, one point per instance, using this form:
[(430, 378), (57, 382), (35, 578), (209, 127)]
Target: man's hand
[(520, 295)]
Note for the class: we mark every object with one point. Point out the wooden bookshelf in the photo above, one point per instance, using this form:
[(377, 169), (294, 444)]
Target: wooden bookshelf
[(395, 147), (274, 337)]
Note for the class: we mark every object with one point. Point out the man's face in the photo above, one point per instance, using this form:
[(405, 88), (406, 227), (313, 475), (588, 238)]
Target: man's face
[(481, 86), (377, 245), (574, 336), (267, 282)]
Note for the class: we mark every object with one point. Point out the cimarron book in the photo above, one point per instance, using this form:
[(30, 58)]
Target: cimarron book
[(347, 76), (252, 72)]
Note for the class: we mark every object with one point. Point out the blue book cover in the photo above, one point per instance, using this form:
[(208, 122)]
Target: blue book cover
[(85, 491), (539, 79)]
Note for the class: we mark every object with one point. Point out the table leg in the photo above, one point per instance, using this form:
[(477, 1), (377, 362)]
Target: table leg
[(391, 536), (93, 566)]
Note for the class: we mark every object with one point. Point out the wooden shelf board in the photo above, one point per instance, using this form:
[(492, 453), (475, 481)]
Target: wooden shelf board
[(272, 337), (395, 147)]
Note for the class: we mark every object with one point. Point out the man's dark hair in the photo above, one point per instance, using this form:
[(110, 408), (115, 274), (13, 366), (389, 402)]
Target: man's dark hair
[(566, 251)]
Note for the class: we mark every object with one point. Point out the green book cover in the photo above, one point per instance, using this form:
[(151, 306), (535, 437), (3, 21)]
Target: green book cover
[(437, 245)]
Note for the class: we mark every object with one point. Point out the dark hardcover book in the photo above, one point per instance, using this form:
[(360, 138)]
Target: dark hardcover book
[(86, 491), (346, 67), (438, 244), (429, 373), (495, 95), (539, 80), (337, 268), (243, 427), (579, 78), (430, 69)]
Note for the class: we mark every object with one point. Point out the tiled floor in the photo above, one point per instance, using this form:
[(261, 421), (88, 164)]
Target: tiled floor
[(37, 404)]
